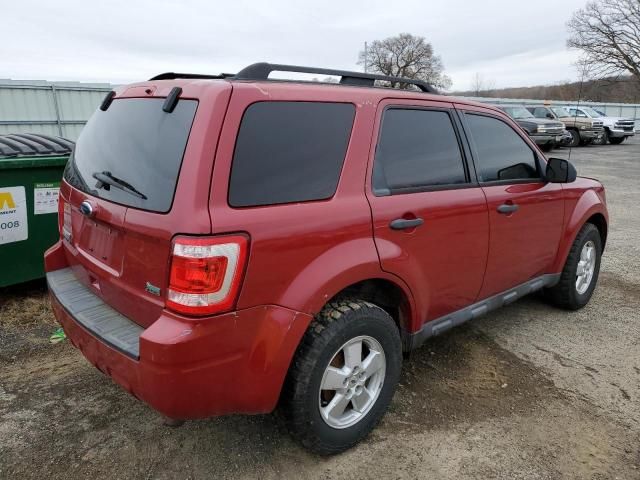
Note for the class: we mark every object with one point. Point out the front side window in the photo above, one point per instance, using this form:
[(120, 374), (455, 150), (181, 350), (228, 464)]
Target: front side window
[(416, 149), (289, 152), (501, 153), (540, 112)]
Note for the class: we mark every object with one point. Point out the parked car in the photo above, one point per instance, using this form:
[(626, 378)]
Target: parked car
[(583, 131), (567, 138), (230, 244), (546, 133), (617, 129)]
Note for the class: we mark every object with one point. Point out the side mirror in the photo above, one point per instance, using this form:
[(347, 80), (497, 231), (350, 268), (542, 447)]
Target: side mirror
[(560, 170), (550, 116)]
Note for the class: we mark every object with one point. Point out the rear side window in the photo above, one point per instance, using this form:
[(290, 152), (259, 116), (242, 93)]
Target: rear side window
[(502, 153), (137, 143), (289, 152), (416, 149)]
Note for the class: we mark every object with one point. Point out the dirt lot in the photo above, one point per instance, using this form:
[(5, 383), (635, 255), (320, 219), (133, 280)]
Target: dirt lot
[(529, 392)]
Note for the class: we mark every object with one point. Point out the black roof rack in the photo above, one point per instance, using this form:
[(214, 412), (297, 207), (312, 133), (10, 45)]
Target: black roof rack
[(32, 144), (174, 75), (262, 70)]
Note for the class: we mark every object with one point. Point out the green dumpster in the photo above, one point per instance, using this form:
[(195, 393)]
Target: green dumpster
[(31, 168)]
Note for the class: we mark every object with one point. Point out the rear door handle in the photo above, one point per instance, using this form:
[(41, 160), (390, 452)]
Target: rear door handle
[(507, 208), (403, 223)]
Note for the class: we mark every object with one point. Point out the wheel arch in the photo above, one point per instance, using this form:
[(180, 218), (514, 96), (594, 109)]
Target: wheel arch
[(588, 209), (350, 267)]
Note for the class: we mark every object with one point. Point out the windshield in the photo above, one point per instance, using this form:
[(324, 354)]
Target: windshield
[(560, 112), (518, 112), (591, 112), (131, 154)]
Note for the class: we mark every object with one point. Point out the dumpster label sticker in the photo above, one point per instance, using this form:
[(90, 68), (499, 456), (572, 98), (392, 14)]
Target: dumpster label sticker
[(45, 198), (13, 215)]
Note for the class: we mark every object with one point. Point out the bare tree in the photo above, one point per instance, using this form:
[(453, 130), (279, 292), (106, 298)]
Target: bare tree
[(608, 34), (407, 56), (481, 85)]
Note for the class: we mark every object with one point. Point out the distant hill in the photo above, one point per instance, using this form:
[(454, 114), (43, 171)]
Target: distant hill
[(620, 89)]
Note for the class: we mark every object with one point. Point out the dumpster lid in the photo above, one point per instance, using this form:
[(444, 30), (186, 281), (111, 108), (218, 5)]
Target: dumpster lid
[(32, 144), (31, 149)]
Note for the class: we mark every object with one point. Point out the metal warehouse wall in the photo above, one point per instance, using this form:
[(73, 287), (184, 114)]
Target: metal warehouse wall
[(54, 108), (62, 108)]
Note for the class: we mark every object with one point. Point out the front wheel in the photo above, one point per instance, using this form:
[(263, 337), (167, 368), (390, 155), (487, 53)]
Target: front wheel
[(343, 376), (616, 140), (575, 138), (580, 274)]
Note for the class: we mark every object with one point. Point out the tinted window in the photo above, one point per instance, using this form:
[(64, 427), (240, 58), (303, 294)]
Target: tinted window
[(540, 112), (289, 152), (135, 141), (416, 148), (502, 153)]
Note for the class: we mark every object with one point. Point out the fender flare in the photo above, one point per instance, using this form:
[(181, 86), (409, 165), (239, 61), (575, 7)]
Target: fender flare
[(336, 269), (588, 205)]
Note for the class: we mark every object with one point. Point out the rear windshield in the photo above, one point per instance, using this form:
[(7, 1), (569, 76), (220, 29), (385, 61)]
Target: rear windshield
[(136, 145)]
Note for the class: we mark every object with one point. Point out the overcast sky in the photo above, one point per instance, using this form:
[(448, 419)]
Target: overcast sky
[(510, 43)]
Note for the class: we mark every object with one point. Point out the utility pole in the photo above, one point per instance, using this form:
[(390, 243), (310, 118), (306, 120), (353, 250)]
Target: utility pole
[(365, 57)]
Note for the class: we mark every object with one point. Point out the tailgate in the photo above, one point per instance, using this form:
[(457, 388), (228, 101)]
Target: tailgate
[(138, 176)]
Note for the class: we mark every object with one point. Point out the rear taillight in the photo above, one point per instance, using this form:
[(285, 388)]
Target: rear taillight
[(206, 273)]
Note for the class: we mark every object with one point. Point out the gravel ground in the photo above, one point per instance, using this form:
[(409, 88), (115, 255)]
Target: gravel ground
[(529, 392)]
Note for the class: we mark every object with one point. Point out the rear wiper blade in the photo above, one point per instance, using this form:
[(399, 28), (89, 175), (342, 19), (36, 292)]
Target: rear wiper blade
[(106, 179)]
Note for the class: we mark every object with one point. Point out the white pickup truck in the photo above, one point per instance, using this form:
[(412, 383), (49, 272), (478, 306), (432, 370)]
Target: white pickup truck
[(616, 128)]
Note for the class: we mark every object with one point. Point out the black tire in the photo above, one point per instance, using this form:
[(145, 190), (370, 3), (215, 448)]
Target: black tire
[(616, 140), (565, 293), (334, 326), (546, 147), (575, 138)]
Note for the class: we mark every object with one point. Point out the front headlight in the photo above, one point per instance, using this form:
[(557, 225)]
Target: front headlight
[(541, 129), (564, 127)]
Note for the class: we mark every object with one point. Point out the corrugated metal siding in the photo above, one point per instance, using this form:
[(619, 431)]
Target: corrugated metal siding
[(54, 108)]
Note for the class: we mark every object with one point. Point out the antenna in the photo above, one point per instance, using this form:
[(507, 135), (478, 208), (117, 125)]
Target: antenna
[(365, 57), (575, 115)]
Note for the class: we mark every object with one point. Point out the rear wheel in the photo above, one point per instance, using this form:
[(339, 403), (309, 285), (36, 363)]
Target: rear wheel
[(343, 376), (580, 274), (575, 138)]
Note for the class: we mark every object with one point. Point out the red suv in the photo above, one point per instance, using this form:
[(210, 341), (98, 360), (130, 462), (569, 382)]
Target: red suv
[(234, 243)]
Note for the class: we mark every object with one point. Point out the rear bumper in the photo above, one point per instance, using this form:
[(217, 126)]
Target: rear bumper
[(186, 368)]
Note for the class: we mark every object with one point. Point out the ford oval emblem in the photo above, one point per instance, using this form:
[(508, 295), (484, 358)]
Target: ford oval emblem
[(86, 209)]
